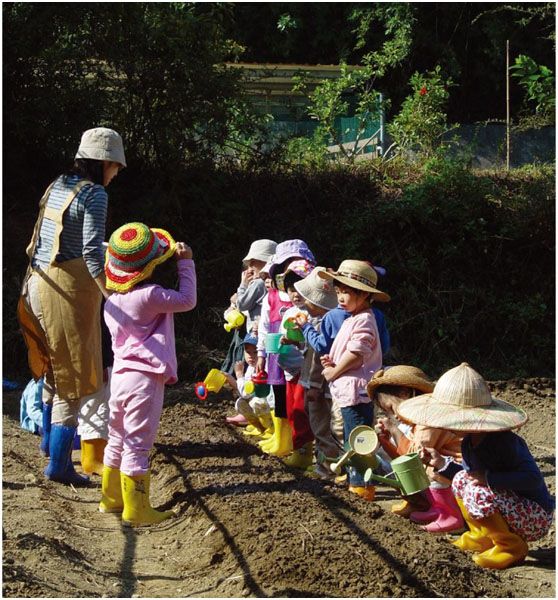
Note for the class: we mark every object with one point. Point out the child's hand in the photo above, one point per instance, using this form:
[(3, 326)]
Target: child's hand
[(387, 424), (300, 319), (239, 368), (233, 300), (247, 276), (182, 251), (329, 373), (230, 380), (285, 341), (479, 478), (260, 365), (432, 458), (326, 361)]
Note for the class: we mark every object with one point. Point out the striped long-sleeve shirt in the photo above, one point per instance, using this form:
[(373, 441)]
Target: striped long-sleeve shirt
[(84, 226)]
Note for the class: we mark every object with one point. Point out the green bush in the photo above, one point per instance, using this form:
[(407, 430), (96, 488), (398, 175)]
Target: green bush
[(469, 255)]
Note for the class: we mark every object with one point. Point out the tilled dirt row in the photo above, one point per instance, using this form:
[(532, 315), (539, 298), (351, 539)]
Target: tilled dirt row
[(247, 525)]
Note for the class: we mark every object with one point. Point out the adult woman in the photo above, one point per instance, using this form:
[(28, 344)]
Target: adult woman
[(59, 309)]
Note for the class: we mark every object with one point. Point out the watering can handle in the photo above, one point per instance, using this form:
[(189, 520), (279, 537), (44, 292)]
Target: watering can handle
[(336, 466)]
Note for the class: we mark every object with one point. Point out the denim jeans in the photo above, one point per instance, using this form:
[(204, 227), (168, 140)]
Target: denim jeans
[(359, 414)]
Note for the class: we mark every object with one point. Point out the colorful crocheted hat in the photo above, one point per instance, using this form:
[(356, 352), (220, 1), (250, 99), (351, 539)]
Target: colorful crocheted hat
[(133, 252)]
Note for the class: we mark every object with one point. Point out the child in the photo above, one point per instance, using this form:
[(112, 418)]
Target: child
[(248, 299), (355, 353), (255, 410), (291, 363), (319, 298), (140, 320), (389, 388), (498, 485), (270, 321)]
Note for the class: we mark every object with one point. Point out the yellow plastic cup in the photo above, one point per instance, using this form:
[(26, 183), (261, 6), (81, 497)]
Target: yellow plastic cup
[(214, 380)]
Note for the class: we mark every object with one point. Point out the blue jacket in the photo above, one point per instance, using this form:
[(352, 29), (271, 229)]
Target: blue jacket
[(508, 464), (331, 323)]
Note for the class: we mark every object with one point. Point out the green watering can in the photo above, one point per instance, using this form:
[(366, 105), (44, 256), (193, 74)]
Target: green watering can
[(410, 476)]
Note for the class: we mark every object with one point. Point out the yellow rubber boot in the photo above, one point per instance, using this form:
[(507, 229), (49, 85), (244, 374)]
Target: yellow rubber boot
[(300, 458), (474, 540), (111, 500), (137, 507), (267, 443), (508, 548), (367, 493), (267, 422), (282, 440), (92, 456)]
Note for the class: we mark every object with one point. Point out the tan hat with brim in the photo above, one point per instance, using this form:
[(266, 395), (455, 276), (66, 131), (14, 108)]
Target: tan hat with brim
[(402, 375), (461, 401), (357, 274)]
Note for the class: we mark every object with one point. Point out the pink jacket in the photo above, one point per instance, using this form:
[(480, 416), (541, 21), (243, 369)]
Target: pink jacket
[(358, 334), (141, 323)]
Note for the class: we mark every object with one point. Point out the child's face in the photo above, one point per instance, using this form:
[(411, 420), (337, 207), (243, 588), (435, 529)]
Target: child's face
[(295, 297), (254, 267), (250, 354), (350, 299), (388, 401), (313, 310)]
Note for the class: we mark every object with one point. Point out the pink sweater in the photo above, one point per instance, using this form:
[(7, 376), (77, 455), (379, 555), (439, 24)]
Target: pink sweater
[(358, 334), (141, 323)]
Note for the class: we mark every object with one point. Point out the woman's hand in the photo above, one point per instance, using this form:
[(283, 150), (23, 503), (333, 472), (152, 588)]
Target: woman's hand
[(182, 251), (432, 458), (260, 365)]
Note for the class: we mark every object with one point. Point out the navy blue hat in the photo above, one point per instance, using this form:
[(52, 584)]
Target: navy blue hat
[(250, 338)]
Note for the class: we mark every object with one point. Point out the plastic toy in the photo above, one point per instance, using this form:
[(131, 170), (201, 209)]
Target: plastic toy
[(410, 476), (273, 344), (235, 319), (261, 387), (293, 331), (212, 383)]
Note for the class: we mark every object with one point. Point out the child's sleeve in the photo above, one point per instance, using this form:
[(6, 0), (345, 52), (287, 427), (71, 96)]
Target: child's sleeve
[(170, 301), (248, 297), (263, 327), (363, 337), (524, 474)]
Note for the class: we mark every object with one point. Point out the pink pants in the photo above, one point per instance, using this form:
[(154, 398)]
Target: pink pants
[(136, 402)]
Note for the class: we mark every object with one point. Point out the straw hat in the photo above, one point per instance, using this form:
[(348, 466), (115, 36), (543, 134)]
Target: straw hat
[(102, 143), (261, 250), (461, 401), (133, 252), (403, 375), (357, 274), (317, 290)]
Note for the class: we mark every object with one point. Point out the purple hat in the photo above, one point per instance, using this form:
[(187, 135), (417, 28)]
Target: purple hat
[(290, 249)]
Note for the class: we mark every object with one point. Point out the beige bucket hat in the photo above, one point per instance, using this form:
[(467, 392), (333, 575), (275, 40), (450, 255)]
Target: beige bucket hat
[(261, 250), (403, 375), (317, 290), (102, 143), (461, 401), (357, 274)]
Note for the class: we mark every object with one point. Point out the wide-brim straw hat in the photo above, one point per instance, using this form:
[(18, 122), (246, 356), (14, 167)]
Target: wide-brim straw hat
[(360, 275), (401, 375), (133, 252), (461, 401), (316, 290), (261, 250)]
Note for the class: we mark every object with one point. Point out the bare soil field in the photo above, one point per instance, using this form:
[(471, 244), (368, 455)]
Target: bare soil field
[(247, 525)]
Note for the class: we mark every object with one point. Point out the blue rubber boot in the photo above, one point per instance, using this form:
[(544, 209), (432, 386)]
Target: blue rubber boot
[(60, 467), (47, 414)]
